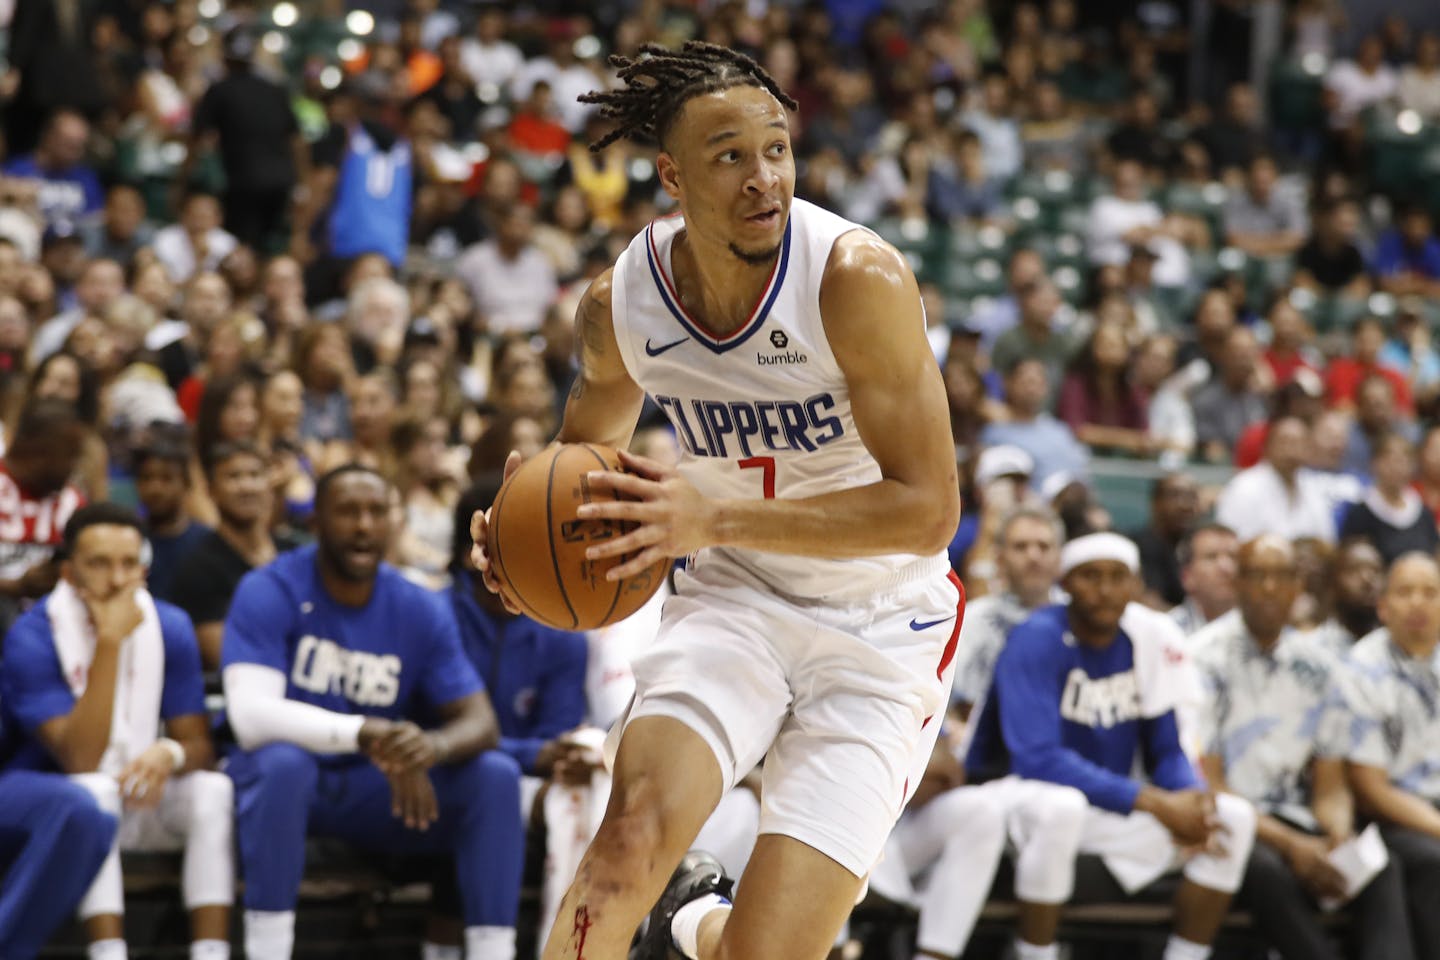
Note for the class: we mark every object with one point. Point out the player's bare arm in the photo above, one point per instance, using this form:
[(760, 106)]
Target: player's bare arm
[(870, 305), (604, 403)]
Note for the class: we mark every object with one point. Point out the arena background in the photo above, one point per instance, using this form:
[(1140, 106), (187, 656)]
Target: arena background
[(1286, 155)]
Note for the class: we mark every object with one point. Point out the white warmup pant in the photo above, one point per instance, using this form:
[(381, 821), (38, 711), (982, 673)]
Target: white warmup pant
[(196, 814), (942, 857), (1138, 850)]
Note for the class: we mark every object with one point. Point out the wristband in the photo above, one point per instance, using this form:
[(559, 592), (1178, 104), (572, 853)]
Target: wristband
[(176, 751)]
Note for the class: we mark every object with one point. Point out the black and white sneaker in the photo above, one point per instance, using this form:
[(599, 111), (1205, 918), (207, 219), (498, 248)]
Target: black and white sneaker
[(698, 874)]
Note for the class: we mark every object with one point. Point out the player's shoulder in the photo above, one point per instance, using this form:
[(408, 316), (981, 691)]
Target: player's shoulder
[(409, 598), (1043, 629), (172, 618), (30, 631), (861, 260), (281, 578)]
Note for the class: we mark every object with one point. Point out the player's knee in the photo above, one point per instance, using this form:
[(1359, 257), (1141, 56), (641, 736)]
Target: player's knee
[(973, 813), (491, 777), (1060, 813), (634, 830), (87, 827), (1238, 818), (103, 787), (212, 798), (285, 766), (497, 771)]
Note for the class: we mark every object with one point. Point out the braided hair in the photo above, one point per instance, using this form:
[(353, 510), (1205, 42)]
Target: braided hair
[(659, 81)]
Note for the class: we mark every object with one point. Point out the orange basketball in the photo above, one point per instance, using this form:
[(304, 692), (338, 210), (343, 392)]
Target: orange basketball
[(537, 543)]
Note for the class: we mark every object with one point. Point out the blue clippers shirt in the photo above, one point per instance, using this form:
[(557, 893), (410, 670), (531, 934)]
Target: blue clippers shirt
[(33, 689), (397, 657), (535, 674), (1068, 714)]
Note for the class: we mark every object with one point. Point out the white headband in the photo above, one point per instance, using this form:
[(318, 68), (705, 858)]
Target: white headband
[(1099, 546)]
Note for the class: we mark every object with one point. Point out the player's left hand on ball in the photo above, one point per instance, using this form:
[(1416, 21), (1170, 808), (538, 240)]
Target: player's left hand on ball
[(673, 516), (142, 782), (412, 799)]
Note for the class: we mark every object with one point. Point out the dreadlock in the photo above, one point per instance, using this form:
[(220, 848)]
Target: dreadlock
[(659, 81)]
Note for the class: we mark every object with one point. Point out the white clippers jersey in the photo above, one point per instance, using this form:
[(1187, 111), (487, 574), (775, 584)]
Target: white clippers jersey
[(764, 411)]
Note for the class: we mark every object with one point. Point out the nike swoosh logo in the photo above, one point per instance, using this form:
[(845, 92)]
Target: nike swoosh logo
[(917, 625), (654, 351)]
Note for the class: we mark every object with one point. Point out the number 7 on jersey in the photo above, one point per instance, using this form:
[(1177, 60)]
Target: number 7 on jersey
[(766, 465)]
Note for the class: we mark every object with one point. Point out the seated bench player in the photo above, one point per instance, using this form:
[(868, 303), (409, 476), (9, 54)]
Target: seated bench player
[(331, 662), (90, 674), (1079, 700)]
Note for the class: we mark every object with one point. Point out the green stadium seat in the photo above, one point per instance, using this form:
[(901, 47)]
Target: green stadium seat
[(1295, 95)]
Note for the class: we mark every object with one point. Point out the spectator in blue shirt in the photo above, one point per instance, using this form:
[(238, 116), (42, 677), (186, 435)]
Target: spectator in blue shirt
[(1407, 256), (1080, 701), (69, 189), (535, 674), (1050, 443)]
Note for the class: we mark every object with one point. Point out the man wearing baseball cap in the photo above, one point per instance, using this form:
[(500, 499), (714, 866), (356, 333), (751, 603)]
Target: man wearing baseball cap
[(1079, 700)]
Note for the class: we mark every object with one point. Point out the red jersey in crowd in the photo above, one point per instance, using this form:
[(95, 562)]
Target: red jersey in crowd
[(31, 529)]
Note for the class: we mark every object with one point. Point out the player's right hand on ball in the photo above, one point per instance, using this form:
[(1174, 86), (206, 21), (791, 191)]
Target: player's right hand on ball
[(479, 531)]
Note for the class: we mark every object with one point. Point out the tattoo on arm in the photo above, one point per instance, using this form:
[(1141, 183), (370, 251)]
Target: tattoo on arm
[(592, 336)]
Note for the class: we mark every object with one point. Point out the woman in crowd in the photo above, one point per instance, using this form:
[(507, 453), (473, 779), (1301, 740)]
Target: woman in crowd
[(1098, 400), (1392, 516)]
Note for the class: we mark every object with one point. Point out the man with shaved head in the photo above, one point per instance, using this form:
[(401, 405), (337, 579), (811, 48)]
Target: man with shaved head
[(1260, 674), (1395, 760)]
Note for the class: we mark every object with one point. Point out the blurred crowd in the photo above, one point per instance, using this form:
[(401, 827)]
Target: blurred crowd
[(243, 243)]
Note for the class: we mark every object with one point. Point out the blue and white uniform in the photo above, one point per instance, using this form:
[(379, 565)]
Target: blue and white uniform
[(398, 657), (1087, 718), (830, 669), (48, 653)]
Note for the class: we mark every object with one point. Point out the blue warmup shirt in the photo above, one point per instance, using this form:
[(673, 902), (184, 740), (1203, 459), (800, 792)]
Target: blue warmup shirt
[(33, 689), (535, 674), (1068, 714), (397, 657), (67, 194)]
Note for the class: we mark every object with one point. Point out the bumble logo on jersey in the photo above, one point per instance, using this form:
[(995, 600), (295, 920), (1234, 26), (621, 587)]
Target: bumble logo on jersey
[(365, 679), (740, 428)]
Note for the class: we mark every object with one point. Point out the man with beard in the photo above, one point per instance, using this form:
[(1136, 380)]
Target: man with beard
[(1395, 762), (1355, 578), (1174, 504), (209, 572), (1084, 700), (331, 661), (1260, 674)]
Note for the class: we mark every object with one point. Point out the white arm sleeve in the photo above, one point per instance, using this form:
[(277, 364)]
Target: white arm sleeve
[(260, 713)]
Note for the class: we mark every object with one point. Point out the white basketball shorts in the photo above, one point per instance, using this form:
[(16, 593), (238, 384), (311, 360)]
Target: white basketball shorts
[(842, 701)]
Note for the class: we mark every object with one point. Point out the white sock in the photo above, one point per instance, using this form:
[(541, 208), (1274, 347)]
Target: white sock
[(685, 925), (1178, 948), (489, 943), (440, 951), (210, 950), (107, 950), (1032, 951), (269, 934)]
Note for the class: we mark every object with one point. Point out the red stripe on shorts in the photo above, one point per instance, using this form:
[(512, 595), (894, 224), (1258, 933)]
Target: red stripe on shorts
[(954, 640)]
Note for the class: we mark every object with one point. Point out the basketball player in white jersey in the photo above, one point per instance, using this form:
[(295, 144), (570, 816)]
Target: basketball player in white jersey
[(816, 620)]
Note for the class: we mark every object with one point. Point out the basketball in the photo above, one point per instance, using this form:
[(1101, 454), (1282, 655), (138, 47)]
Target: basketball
[(537, 543)]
